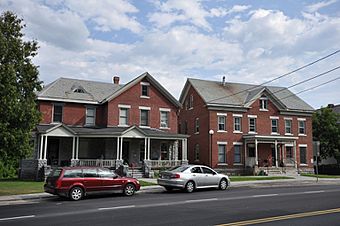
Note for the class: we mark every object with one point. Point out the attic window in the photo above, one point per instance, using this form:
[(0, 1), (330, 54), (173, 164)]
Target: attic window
[(79, 90), (264, 103)]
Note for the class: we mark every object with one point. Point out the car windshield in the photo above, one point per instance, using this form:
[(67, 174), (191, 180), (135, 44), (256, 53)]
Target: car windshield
[(179, 168)]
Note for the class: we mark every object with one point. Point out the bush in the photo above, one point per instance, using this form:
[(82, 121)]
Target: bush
[(8, 170)]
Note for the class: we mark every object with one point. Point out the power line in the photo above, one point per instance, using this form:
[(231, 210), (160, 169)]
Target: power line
[(311, 88), (281, 76)]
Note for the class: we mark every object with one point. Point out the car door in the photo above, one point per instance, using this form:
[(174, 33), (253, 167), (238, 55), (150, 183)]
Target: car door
[(210, 177), (92, 181), (110, 181), (197, 176)]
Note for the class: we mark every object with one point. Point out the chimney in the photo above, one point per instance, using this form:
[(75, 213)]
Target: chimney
[(330, 106), (223, 81), (115, 80)]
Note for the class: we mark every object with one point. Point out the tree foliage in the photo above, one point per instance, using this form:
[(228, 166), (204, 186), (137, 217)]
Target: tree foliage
[(326, 129), (18, 84)]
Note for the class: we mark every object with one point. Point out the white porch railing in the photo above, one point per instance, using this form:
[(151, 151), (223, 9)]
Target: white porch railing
[(97, 162), (164, 163)]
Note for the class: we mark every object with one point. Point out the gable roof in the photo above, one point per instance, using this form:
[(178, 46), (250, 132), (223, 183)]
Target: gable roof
[(92, 92), (240, 95)]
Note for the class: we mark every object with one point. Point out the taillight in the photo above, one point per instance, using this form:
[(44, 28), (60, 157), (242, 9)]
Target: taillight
[(175, 176), (58, 184)]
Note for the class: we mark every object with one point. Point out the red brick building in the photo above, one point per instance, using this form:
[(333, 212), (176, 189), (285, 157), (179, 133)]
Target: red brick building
[(241, 127), (107, 124)]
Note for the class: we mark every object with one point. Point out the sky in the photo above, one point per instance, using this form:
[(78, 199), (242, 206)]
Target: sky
[(245, 41)]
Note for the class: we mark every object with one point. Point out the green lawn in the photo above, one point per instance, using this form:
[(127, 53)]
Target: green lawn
[(16, 187), (145, 183), (320, 175), (254, 178)]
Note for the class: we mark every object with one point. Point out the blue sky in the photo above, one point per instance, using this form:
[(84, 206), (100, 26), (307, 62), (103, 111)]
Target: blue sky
[(246, 41)]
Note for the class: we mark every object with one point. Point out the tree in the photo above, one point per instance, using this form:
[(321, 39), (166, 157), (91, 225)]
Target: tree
[(18, 86), (326, 129)]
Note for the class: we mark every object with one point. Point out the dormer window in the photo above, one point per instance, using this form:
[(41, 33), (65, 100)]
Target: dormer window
[(79, 90), (76, 88), (145, 89), (263, 103)]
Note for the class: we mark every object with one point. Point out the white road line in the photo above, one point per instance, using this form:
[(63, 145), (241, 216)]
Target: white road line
[(313, 192), (16, 218), (201, 200), (267, 195), (116, 207)]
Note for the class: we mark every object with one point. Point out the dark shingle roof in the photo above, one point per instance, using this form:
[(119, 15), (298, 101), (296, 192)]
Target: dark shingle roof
[(234, 94)]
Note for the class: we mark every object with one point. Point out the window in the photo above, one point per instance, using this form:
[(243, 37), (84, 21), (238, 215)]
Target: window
[(123, 116), (90, 172), (302, 127), (90, 115), (74, 173), (164, 119), (289, 152), (145, 90), (197, 125), (222, 153), (237, 153), (221, 123), (288, 126), (237, 124), (57, 113), (275, 126), (197, 152), (303, 155), (252, 124), (208, 171), (186, 105), (263, 103), (105, 173), (191, 102), (79, 90), (196, 170), (144, 117)]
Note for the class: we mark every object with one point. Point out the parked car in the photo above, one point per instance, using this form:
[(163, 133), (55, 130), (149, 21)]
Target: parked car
[(77, 182), (191, 177)]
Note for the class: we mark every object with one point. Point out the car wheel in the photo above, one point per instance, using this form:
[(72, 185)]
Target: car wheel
[(223, 184), (129, 190), (190, 186), (76, 193), (168, 188)]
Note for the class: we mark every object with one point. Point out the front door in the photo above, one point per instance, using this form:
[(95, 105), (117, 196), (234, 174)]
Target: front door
[(53, 151), (126, 155), (273, 156)]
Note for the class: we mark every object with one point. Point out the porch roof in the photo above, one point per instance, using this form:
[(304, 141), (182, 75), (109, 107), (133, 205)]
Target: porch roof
[(252, 137), (109, 131)]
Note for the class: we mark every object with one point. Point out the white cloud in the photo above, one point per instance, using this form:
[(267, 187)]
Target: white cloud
[(315, 7)]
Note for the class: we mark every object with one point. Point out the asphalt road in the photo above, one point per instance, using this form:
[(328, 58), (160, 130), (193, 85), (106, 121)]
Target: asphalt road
[(297, 205)]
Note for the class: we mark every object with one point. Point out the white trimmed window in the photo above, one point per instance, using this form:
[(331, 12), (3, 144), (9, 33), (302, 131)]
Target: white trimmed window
[(145, 89), (123, 116), (164, 119), (57, 113), (222, 157), (144, 117), (275, 127), (237, 153), (237, 124), (90, 116), (191, 101), (302, 127), (252, 124), (264, 103), (288, 126), (197, 125), (303, 154), (221, 123)]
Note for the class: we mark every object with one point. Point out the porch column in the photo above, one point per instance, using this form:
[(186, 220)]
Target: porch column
[(256, 154), (118, 148), (295, 155), (184, 150), (245, 153), (77, 148), (148, 149), (73, 147), (121, 149), (145, 147), (41, 146), (276, 162), (45, 148)]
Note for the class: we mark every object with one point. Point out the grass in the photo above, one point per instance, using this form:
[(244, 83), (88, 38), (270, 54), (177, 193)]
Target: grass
[(146, 183), (320, 175), (17, 187), (255, 178)]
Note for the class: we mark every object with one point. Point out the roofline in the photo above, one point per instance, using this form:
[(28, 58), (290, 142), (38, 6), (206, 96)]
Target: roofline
[(68, 100)]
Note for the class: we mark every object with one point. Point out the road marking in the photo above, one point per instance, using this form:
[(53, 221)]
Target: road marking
[(283, 217), (313, 192), (267, 195), (116, 207), (201, 200), (16, 218)]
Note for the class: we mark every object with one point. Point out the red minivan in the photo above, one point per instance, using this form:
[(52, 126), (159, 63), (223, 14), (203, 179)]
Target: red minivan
[(77, 182)]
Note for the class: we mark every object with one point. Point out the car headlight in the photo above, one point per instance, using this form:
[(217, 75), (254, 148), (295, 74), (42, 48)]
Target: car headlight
[(137, 181)]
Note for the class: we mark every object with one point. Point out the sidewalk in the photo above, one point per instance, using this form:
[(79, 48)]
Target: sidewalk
[(298, 180)]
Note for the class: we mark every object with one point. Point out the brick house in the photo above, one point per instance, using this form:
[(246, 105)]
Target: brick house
[(93, 123), (246, 128)]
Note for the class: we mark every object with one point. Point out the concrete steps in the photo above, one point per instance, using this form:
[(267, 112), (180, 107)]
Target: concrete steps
[(135, 172)]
